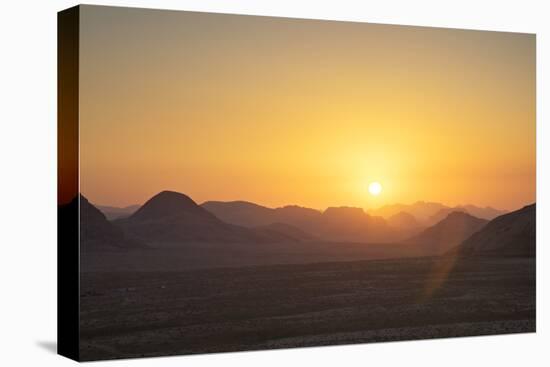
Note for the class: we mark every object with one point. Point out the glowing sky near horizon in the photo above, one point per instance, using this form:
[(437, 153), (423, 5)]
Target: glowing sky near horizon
[(284, 111)]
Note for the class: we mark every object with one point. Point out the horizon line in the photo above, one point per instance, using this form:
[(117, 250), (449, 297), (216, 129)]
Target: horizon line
[(366, 209)]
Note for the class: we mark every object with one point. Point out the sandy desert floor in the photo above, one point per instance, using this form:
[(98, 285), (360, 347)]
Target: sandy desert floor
[(151, 313)]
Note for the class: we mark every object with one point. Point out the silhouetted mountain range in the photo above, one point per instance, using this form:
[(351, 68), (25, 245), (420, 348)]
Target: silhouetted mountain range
[(244, 213), (448, 233), (421, 210), (444, 213), (342, 223), (512, 234), (334, 224), (171, 217), (97, 233), (483, 213), (430, 213)]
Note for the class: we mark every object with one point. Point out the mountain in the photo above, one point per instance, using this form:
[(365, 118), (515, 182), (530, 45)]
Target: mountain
[(247, 214), (403, 220), (484, 213), (449, 232), (444, 213), (333, 224), (306, 219), (171, 218), (97, 233), (511, 234), (112, 212), (430, 213), (421, 210), (242, 213), (170, 204), (353, 224)]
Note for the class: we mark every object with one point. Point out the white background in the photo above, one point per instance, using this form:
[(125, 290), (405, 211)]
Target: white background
[(28, 183)]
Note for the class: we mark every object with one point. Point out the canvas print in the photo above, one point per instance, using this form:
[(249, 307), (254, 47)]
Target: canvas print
[(236, 183)]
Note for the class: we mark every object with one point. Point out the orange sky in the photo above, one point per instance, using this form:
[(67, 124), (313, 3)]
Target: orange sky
[(284, 111)]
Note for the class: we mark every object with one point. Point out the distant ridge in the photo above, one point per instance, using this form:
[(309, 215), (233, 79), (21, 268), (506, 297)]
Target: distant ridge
[(430, 213), (174, 218), (449, 232), (97, 233), (242, 213), (333, 224), (482, 213), (113, 212), (421, 210), (444, 213), (512, 234)]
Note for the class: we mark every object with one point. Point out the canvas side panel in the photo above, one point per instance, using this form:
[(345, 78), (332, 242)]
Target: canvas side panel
[(68, 184)]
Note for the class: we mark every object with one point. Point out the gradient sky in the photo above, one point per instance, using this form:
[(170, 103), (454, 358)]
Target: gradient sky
[(286, 111)]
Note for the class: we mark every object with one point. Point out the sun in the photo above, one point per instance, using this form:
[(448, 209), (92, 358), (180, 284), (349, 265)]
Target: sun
[(375, 188)]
